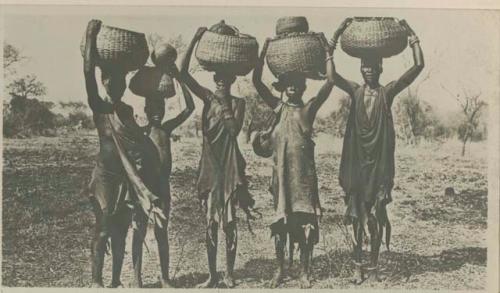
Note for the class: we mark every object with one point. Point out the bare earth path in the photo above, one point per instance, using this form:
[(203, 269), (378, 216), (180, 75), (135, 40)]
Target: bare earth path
[(438, 241)]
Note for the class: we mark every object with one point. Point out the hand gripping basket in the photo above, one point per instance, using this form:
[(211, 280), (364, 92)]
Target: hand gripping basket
[(225, 53), (119, 47), (302, 52), (151, 81), (374, 36)]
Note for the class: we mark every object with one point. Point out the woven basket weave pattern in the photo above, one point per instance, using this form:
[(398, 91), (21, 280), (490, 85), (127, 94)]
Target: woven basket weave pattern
[(216, 52), (379, 37), (151, 81), (290, 24), (300, 53), (117, 46)]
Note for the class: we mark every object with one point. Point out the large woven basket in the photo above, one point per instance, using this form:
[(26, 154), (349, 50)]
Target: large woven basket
[(374, 36), (297, 53), (223, 53), (119, 47), (292, 24), (151, 81)]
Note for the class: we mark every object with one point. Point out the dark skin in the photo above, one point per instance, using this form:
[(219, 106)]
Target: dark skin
[(160, 135), (113, 80), (294, 90), (233, 120), (371, 70)]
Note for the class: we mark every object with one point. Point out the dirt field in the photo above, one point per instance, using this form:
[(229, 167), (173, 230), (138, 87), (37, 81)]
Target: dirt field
[(438, 241)]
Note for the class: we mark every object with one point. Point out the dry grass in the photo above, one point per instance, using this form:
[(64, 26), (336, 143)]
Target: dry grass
[(438, 241)]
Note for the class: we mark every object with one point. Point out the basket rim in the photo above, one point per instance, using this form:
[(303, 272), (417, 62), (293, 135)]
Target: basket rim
[(371, 18), (122, 29), (239, 36)]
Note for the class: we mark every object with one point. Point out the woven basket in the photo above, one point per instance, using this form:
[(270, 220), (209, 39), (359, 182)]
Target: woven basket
[(151, 81), (297, 53), (119, 47), (381, 37), (292, 24), (222, 53)]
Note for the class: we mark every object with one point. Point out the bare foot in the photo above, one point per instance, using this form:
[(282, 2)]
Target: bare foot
[(229, 281), (210, 283), (278, 278), (358, 277), (373, 275), (165, 283), (97, 285), (116, 285), (304, 281)]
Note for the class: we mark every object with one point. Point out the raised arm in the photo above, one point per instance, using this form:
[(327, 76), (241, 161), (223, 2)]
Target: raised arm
[(261, 88), (326, 89), (409, 76), (96, 103), (200, 91), (173, 123), (346, 85)]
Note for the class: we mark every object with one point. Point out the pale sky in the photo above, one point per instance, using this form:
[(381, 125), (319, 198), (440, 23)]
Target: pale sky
[(461, 47)]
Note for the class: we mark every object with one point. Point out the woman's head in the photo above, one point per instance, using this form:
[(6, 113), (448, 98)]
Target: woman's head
[(155, 110), (113, 80), (293, 84), (371, 68), (223, 81)]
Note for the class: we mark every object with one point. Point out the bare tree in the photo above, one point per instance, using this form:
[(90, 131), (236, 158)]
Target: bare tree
[(471, 106), (27, 87), (11, 56)]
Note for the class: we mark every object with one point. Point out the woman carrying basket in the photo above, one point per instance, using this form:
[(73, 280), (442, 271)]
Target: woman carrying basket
[(294, 182), (125, 154), (367, 163), (221, 182)]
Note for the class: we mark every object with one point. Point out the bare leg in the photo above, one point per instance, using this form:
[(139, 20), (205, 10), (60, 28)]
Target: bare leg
[(291, 248), (279, 243), (358, 277), (98, 247), (137, 243), (231, 244), (161, 235), (118, 235), (211, 241), (375, 241)]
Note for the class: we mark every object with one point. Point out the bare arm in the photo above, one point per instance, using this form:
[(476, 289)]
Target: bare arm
[(96, 103), (173, 123), (200, 91), (326, 89), (346, 85), (261, 88), (239, 115), (411, 74)]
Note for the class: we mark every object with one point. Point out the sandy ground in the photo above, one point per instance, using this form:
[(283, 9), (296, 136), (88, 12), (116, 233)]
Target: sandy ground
[(438, 242)]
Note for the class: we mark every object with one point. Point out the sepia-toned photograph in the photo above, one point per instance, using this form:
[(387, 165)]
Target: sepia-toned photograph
[(249, 147)]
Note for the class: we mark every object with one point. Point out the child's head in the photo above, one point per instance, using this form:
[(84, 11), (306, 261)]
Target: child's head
[(155, 110)]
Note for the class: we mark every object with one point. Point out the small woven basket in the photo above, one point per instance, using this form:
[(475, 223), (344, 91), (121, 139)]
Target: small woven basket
[(292, 24), (374, 36), (297, 53), (223, 53), (151, 81), (119, 47)]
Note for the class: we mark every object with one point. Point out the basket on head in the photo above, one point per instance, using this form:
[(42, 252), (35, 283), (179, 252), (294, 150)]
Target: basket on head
[(297, 53), (119, 47), (151, 81), (374, 36), (163, 55), (233, 54), (292, 24)]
